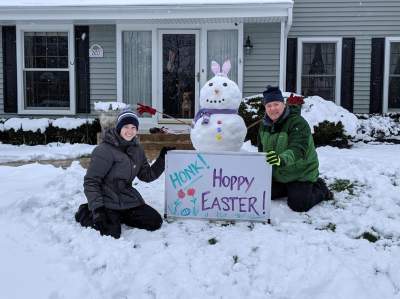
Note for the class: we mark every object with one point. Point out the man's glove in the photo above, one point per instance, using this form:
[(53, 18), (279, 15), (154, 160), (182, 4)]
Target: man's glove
[(100, 219), (273, 159), (165, 149)]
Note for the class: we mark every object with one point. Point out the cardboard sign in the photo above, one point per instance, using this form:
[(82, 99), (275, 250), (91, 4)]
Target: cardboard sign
[(222, 186)]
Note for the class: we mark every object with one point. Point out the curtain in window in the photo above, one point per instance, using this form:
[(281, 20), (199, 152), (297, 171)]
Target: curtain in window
[(319, 70), (136, 65), (221, 46), (394, 76)]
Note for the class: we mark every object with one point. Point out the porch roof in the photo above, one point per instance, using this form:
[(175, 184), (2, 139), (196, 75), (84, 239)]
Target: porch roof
[(182, 11)]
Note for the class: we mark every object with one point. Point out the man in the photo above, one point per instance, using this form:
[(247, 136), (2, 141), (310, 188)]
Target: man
[(285, 137)]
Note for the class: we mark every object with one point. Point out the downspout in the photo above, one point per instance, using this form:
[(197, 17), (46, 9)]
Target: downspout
[(285, 28)]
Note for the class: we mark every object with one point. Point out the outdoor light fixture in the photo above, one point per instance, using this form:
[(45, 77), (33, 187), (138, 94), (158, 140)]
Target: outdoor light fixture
[(248, 46)]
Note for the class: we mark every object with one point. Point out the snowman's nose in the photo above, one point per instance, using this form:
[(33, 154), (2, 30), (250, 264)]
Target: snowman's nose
[(216, 91)]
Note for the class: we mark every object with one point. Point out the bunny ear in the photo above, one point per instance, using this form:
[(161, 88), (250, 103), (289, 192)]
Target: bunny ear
[(215, 67), (226, 67)]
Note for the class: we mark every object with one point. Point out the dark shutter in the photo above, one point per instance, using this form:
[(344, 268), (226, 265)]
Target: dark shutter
[(376, 84), (9, 69), (347, 80), (291, 64), (82, 69)]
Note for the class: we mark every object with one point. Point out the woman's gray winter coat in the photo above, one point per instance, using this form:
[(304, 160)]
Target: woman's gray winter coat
[(114, 165)]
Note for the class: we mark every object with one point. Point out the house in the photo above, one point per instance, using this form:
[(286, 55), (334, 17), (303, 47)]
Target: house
[(60, 57)]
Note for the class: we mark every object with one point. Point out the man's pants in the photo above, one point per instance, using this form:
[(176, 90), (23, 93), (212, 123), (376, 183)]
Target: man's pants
[(301, 196), (144, 217)]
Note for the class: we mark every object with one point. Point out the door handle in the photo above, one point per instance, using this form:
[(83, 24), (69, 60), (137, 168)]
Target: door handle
[(198, 76)]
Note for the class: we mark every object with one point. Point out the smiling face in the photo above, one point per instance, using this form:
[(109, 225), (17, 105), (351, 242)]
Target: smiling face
[(128, 132), (220, 93), (274, 109)]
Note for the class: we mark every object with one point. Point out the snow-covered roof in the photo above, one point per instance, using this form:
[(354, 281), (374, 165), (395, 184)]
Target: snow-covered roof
[(133, 2), (86, 11)]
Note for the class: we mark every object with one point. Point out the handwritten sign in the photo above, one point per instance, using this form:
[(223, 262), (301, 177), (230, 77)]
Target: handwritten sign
[(224, 186)]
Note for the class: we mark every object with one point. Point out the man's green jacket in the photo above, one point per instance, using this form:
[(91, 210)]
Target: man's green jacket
[(290, 137)]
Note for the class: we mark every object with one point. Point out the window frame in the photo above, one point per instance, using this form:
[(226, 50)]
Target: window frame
[(338, 41), (388, 42), (20, 33)]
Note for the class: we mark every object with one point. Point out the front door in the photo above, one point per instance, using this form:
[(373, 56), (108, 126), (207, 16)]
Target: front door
[(180, 73)]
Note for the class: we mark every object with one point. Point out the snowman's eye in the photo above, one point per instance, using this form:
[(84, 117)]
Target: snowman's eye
[(225, 84), (207, 100), (223, 100), (210, 84)]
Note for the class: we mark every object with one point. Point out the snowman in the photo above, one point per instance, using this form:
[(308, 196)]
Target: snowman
[(217, 126)]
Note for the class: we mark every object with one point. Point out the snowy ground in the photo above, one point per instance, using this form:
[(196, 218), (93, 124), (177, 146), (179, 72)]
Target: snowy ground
[(51, 151), (319, 254)]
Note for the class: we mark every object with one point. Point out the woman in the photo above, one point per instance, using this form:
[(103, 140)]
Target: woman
[(115, 163)]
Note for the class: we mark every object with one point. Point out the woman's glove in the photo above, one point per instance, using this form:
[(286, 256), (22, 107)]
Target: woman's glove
[(100, 219)]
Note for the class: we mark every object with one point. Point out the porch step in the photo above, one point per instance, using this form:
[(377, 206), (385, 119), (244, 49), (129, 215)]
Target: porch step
[(153, 143)]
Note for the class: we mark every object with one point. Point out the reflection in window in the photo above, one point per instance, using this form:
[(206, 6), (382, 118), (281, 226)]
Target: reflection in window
[(222, 45), (394, 76), (136, 66), (319, 70), (46, 72)]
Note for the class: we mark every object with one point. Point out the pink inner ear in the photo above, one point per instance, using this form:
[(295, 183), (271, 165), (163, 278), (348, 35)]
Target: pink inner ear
[(215, 68), (226, 67)]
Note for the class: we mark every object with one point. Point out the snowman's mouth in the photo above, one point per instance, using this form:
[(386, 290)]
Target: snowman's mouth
[(215, 101)]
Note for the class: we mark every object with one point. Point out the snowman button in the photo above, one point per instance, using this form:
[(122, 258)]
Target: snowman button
[(218, 137), (219, 122), (219, 130)]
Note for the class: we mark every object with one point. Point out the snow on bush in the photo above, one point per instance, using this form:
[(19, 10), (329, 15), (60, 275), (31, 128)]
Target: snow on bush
[(371, 127), (107, 106)]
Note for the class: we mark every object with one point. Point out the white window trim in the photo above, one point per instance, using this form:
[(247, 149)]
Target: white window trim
[(385, 108), (20, 29), (338, 41), (155, 28)]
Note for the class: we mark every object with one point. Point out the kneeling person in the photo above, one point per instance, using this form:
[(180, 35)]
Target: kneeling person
[(285, 137), (115, 163)]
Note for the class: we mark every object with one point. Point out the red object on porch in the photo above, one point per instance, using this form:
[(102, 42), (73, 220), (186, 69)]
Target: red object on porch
[(295, 100), (145, 109)]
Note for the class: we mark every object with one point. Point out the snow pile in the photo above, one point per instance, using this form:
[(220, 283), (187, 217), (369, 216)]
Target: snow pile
[(318, 254), (107, 106), (26, 124), (51, 151), (70, 123), (317, 110), (41, 124), (380, 127)]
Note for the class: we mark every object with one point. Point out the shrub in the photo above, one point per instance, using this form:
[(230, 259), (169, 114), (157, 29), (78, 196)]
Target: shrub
[(86, 133)]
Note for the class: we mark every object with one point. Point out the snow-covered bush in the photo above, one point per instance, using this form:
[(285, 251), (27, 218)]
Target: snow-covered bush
[(43, 131)]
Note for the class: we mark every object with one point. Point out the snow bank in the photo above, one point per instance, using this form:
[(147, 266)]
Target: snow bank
[(317, 254), (51, 151), (41, 124), (107, 106), (316, 110)]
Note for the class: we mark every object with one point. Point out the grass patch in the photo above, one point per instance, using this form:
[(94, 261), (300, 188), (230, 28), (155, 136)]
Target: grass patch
[(212, 241), (340, 185), (369, 236)]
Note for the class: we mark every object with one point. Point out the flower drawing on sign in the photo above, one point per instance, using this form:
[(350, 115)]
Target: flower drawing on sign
[(181, 194), (191, 191)]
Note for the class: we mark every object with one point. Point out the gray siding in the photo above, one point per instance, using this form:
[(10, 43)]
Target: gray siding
[(103, 71), (1, 74), (261, 67), (362, 19)]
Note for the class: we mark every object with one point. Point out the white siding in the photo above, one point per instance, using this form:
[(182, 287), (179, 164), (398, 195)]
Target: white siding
[(1, 73)]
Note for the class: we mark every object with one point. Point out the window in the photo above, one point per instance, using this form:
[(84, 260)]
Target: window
[(394, 76), (136, 67), (223, 45), (46, 70), (319, 67), (319, 70)]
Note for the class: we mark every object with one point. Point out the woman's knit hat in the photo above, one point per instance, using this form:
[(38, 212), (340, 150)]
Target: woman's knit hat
[(126, 117)]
